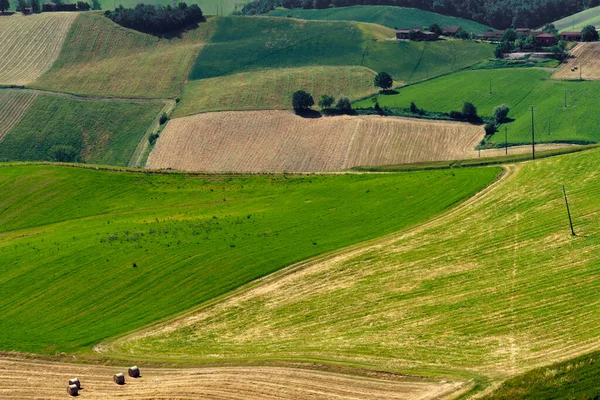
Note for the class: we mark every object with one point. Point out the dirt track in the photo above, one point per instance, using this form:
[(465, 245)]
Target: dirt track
[(21, 379)]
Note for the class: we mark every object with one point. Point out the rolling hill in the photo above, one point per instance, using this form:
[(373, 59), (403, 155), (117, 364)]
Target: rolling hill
[(13, 104), (497, 287), (29, 45), (584, 56), (519, 88), (392, 17), (576, 22), (88, 254)]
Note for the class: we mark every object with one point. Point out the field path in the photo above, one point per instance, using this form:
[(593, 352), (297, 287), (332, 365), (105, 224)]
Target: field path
[(31, 379)]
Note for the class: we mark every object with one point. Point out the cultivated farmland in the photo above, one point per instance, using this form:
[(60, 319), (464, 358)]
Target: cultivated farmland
[(29, 45), (259, 141), (191, 238), (272, 89), (13, 104), (586, 59), (390, 16), (576, 22), (490, 290)]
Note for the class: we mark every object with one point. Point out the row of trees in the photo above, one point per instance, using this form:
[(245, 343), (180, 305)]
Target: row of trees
[(157, 19), (303, 101), (499, 14)]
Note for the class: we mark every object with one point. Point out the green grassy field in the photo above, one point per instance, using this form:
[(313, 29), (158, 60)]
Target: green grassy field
[(242, 44), (492, 290), (575, 379), (392, 17), (272, 89), (576, 22), (209, 7), (101, 58), (72, 235), (102, 132), (519, 88)]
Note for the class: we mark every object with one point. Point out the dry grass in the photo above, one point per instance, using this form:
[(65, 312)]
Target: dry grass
[(20, 379), (586, 59), (13, 105), (29, 45), (281, 141)]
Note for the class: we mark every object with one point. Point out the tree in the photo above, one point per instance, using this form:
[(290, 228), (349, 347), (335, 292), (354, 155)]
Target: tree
[(502, 48), (500, 113), (343, 104), (61, 153), (412, 35), (83, 6), (302, 100), (469, 111), (326, 101), (435, 28), (550, 28), (413, 108), (560, 51), (21, 5), (4, 5), (96, 5), (384, 80), (510, 35), (35, 6), (589, 34)]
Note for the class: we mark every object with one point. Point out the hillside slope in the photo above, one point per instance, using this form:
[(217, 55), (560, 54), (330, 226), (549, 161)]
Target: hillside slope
[(493, 289), (577, 21), (281, 141), (584, 56), (29, 45), (392, 17), (13, 104)]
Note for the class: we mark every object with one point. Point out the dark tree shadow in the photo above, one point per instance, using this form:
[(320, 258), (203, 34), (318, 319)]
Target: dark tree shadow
[(388, 91), (307, 113)]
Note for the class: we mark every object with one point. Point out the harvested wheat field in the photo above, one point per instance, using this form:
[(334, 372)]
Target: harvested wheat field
[(585, 63), (13, 105), (30, 44), (20, 379), (268, 141)]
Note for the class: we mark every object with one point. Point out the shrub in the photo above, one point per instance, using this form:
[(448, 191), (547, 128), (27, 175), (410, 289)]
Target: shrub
[(469, 111), (344, 104), (456, 115), (61, 153), (83, 6), (490, 127), (435, 28), (502, 48), (413, 108), (500, 113), (163, 118), (96, 5), (156, 19), (383, 80), (326, 101), (153, 138), (302, 100)]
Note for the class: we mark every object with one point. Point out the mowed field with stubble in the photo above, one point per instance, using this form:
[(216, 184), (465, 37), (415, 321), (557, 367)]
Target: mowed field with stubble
[(13, 105), (29, 45), (266, 141), (586, 57)]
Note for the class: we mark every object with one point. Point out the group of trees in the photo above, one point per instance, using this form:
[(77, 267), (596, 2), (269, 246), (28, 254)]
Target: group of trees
[(499, 14), (303, 101), (511, 41), (157, 19), (56, 5)]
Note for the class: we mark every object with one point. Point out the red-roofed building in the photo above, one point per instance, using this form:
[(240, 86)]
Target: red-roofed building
[(546, 39)]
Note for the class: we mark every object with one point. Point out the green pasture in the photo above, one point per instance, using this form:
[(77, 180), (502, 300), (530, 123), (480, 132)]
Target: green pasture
[(104, 132), (72, 236), (392, 17), (520, 89), (208, 7), (242, 44), (576, 22)]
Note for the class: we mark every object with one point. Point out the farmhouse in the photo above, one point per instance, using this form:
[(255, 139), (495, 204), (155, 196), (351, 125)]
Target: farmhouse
[(545, 39), (491, 36), (452, 30), (418, 34), (571, 36)]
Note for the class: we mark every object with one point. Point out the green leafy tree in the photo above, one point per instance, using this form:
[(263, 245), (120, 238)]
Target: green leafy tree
[(469, 111), (4, 5), (326, 101), (550, 28), (412, 35), (435, 28), (589, 34), (96, 5), (502, 48), (384, 80), (63, 153), (344, 104), (500, 113), (413, 108), (302, 100), (464, 35), (21, 5), (35, 6), (510, 35)]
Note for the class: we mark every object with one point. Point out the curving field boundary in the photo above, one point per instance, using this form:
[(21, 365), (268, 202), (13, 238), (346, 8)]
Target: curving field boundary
[(13, 105)]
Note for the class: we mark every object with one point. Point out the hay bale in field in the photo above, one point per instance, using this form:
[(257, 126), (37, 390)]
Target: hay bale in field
[(73, 390), (134, 372), (119, 379), (75, 381)]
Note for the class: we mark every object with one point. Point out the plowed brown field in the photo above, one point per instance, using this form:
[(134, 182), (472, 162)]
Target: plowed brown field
[(30, 44), (20, 379), (13, 105), (586, 57), (259, 141)]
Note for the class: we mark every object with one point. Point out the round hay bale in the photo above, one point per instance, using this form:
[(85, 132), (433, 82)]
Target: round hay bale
[(73, 390), (119, 379), (75, 381), (134, 372)]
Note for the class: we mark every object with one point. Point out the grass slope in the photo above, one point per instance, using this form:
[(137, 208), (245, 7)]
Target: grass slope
[(575, 379), (102, 58), (242, 44), (272, 89), (519, 88), (392, 17), (13, 104), (67, 285), (495, 289), (576, 22), (209, 7), (102, 132)]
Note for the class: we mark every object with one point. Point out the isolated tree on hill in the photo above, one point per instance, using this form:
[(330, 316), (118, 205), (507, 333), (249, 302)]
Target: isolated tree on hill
[(383, 80), (589, 34), (4, 5), (326, 101), (550, 28), (435, 28), (302, 100), (500, 113), (469, 111)]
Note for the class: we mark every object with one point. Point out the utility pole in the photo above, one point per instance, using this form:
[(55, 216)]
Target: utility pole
[(565, 98), (490, 84), (568, 212), (506, 139), (532, 136), (580, 68)]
